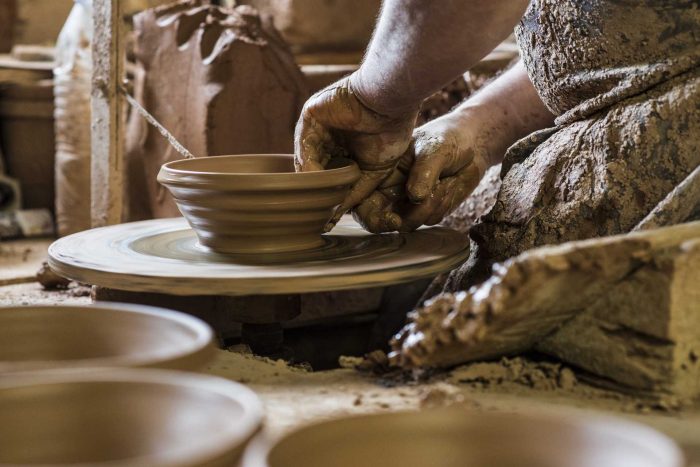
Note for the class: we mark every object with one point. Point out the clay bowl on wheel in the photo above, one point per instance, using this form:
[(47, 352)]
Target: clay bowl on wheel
[(125, 417), (257, 203), (101, 335), (455, 437)]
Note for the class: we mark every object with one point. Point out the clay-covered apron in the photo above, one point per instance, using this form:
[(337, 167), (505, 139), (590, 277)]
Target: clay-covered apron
[(623, 79)]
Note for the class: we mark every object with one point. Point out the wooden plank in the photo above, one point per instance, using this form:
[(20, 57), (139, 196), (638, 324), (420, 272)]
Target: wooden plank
[(107, 114)]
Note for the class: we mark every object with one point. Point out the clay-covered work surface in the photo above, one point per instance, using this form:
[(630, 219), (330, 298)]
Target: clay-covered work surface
[(294, 397), (21, 259), (520, 387), (164, 256), (117, 417), (107, 335)]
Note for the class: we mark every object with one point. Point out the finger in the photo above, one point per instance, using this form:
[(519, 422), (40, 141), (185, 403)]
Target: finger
[(363, 188), (430, 154), (424, 176), (395, 178), (415, 215), (309, 140), (452, 191), (447, 196), (408, 158), (374, 214), (435, 157)]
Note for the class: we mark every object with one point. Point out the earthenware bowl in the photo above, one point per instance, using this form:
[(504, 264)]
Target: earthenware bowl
[(458, 438), (257, 203), (125, 417), (101, 335)]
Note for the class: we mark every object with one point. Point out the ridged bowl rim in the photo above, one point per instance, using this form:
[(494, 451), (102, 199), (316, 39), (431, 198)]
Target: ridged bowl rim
[(188, 355), (177, 174), (221, 446)]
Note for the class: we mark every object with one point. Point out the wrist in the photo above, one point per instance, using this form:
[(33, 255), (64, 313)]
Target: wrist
[(491, 129), (378, 99)]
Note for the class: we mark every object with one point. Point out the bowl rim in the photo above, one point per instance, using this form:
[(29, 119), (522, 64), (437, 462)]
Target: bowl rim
[(668, 452), (194, 352), (241, 432), (171, 174)]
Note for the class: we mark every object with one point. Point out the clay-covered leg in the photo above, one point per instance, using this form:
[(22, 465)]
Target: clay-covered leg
[(596, 177)]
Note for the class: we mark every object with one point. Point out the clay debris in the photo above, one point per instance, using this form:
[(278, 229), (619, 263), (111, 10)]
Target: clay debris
[(525, 299), (536, 375), (375, 362), (49, 280), (622, 308)]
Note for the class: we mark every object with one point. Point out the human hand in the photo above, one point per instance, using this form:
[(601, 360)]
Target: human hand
[(336, 123), (444, 163)]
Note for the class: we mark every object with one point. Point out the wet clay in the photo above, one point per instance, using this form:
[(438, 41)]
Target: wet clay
[(545, 376), (621, 307), (49, 280), (257, 203), (220, 80)]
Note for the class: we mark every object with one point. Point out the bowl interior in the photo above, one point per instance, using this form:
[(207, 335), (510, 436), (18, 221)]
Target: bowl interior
[(449, 439), (145, 418), (36, 337), (244, 164), (255, 164)]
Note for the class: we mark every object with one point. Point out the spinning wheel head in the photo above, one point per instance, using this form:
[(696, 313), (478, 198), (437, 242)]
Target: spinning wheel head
[(164, 256)]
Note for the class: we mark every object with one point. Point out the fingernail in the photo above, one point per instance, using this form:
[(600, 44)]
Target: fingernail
[(329, 226), (418, 192), (393, 221)]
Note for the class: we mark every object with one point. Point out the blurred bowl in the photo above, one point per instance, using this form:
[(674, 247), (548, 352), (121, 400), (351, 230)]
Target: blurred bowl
[(257, 203), (125, 417), (101, 335), (456, 437)]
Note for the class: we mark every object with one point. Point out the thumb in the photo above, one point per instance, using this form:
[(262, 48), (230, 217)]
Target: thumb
[(430, 154)]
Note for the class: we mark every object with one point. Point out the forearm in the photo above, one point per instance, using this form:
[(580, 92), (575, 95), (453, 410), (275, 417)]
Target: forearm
[(421, 45), (509, 109)]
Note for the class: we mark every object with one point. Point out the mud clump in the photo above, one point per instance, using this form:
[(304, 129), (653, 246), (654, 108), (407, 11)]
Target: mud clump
[(537, 375), (49, 280), (375, 362)]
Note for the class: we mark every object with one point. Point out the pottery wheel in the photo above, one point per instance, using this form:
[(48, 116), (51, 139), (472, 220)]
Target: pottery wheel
[(164, 256)]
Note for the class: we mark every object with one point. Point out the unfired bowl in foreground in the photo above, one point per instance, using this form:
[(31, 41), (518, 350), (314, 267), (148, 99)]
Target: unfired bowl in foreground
[(455, 437), (125, 417), (257, 203), (101, 335)]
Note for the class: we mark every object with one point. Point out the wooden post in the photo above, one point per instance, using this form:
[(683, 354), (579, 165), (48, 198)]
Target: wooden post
[(107, 114), (8, 19)]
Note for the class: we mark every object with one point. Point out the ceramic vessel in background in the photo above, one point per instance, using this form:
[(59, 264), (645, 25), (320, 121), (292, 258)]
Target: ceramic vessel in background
[(101, 335), (457, 437), (257, 203), (125, 417)]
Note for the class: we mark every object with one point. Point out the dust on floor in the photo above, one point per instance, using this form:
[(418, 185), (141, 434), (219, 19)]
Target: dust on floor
[(294, 396)]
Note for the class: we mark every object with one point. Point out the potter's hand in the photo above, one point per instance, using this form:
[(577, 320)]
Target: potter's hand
[(335, 122), (442, 166)]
